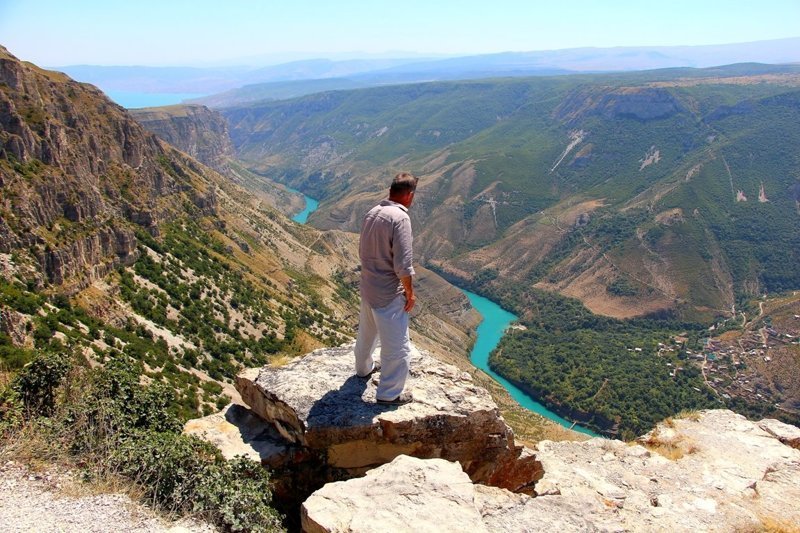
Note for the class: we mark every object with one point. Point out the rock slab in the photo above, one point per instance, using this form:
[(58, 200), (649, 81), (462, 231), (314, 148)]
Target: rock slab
[(412, 495), (715, 471), (318, 404)]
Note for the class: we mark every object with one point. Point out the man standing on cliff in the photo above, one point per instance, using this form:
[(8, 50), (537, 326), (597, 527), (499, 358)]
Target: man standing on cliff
[(387, 291)]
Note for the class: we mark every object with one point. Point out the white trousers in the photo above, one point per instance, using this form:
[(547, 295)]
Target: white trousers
[(390, 324)]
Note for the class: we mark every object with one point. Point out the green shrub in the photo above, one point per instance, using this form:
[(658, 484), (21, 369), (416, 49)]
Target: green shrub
[(13, 357), (185, 474), (36, 384), (108, 419), (11, 410)]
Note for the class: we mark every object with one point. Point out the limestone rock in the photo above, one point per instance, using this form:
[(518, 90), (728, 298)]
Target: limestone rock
[(92, 256), (716, 472), (15, 325), (411, 494), (237, 431), (407, 494), (317, 402), (789, 435), (722, 473)]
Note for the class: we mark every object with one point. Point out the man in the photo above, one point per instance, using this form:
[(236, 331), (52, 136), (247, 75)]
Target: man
[(387, 291)]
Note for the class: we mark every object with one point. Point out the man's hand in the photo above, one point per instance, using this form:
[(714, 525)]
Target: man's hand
[(408, 286), (410, 301)]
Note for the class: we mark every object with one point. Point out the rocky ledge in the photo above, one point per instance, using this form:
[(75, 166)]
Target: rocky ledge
[(715, 471), (452, 461), (313, 421)]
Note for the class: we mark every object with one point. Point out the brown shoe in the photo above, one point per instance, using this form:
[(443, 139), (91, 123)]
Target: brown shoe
[(405, 397)]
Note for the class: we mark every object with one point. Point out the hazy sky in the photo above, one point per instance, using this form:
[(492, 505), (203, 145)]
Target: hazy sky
[(197, 32)]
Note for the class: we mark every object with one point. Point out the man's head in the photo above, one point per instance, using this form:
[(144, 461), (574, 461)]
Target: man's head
[(402, 188)]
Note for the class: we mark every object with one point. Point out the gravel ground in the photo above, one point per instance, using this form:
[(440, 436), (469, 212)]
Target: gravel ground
[(38, 502)]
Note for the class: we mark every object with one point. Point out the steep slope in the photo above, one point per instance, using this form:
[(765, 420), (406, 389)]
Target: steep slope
[(193, 129), (203, 134), (117, 246)]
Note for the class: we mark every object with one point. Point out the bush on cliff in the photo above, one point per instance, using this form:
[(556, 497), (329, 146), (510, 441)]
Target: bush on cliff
[(110, 424)]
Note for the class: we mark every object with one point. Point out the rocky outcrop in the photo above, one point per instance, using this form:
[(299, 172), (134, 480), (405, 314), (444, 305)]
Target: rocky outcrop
[(15, 325), (411, 494), (426, 494), (715, 471), (319, 404), (194, 129), (329, 426), (92, 256), (447, 460)]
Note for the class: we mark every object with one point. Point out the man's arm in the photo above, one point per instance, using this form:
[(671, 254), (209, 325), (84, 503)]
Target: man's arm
[(408, 285)]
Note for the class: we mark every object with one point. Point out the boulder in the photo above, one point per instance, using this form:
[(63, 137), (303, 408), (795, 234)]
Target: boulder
[(318, 404), (411, 494), (715, 471), (407, 494)]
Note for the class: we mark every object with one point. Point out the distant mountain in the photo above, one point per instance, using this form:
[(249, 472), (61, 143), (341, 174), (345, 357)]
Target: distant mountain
[(612, 59), (278, 90), (375, 72), (212, 80)]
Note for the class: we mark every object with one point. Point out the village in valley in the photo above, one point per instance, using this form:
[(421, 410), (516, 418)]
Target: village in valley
[(757, 362)]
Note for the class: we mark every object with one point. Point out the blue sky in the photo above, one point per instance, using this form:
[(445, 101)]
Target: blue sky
[(204, 32)]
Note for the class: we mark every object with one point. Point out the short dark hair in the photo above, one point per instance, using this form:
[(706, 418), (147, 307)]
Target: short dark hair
[(402, 183)]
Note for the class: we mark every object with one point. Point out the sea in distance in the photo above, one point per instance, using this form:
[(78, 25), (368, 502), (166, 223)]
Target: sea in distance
[(135, 100)]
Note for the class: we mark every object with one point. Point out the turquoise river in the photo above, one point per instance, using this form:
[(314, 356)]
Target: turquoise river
[(495, 322), (311, 206)]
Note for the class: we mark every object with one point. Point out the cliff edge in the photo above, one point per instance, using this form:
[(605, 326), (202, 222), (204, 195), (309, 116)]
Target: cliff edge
[(453, 459)]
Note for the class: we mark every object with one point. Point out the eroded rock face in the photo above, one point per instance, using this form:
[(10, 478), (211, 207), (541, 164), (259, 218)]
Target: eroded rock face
[(95, 255), (714, 472), (78, 172), (194, 129), (15, 325)]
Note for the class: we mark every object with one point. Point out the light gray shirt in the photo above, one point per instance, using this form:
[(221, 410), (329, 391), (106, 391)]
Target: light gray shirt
[(385, 249)]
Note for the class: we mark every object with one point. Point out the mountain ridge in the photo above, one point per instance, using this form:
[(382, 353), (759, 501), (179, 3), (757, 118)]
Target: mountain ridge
[(354, 145), (408, 70)]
